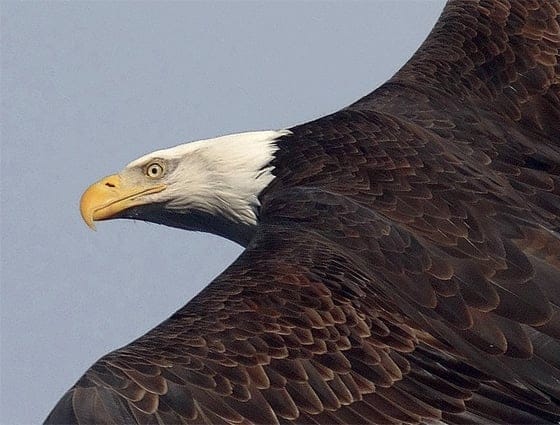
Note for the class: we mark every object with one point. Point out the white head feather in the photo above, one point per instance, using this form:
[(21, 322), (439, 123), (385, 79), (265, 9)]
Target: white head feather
[(221, 176)]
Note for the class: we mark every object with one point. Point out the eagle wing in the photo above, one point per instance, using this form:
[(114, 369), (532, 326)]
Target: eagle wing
[(331, 315), (406, 265)]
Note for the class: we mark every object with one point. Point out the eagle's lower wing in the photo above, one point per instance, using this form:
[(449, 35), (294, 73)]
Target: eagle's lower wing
[(334, 315)]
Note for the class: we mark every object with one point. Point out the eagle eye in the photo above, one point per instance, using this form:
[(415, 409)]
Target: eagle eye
[(154, 170)]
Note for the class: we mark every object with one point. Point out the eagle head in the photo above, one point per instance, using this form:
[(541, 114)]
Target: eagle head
[(208, 185)]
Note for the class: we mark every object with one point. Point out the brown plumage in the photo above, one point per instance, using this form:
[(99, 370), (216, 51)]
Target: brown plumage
[(406, 264)]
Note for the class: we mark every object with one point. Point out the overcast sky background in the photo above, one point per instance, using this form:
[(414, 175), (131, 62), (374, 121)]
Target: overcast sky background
[(86, 88)]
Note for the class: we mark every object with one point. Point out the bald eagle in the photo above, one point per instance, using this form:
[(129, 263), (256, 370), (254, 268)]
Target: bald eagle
[(402, 255)]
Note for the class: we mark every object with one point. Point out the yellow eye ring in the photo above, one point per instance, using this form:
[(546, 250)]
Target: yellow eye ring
[(154, 170)]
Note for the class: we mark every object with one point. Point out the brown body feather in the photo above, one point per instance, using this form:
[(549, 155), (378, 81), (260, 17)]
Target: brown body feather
[(406, 268)]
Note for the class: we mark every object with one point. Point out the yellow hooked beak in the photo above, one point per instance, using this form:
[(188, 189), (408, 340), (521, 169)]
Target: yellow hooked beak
[(110, 196)]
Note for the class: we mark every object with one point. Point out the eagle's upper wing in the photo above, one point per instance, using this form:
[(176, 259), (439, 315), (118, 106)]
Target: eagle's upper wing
[(498, 57), (407, 263)]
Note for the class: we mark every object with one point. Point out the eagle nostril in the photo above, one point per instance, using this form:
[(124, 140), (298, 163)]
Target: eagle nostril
[(108, 184)]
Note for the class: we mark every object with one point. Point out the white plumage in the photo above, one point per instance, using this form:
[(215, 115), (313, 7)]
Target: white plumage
[(221, 176)]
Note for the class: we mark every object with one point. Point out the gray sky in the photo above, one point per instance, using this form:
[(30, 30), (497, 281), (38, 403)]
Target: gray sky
[(86, 88)]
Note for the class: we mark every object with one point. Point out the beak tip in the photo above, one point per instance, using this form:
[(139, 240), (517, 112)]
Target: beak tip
[(88, 219)]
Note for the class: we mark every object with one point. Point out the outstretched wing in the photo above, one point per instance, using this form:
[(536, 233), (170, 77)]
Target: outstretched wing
[(406, 266), (487, 82), (497, 57), (331, 315)]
